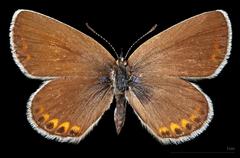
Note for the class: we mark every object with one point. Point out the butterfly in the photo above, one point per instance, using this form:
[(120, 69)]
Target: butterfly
[(81, 78)]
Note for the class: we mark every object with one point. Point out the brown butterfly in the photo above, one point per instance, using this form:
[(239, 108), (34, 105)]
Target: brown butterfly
[(82, 78)]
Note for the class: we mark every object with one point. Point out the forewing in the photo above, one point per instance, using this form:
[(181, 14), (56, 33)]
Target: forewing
[(66, 109), (195, 48), (172, 109), (44, 47)]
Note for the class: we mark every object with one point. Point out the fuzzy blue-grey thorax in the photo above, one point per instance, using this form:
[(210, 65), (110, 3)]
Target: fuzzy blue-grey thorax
[(121, 76)]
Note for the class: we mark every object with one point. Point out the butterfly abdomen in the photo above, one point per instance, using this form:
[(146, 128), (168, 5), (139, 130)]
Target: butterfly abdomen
[(120, 112)]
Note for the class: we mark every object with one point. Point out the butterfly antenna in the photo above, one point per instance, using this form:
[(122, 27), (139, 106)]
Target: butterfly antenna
[(121, 54), (91, 29), (151, 30)]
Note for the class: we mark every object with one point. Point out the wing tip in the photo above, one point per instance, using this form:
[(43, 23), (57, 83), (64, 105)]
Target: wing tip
[(13, 47), (229, 46), (228, 53)]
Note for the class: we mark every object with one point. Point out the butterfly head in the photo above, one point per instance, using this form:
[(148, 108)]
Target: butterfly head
[(121, 62)]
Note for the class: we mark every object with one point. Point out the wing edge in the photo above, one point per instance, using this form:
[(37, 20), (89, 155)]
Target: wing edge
[(13, 50), (229, 47)]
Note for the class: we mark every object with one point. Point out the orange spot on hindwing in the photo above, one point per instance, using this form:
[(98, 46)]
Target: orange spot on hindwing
[(164, 131), (63, 128), (52, 124), (43, 118), (74, 131), (186, 124), (39, 110), (195, 118), (175, 128)]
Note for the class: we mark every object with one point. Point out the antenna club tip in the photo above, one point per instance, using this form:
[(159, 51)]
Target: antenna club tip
[(153, 28)]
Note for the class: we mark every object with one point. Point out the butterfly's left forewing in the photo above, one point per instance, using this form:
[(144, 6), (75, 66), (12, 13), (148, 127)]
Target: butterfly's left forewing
[(77, 91), (46, 48)]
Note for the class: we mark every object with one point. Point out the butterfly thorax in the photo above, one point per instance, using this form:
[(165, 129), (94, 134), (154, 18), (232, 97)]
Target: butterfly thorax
[(120, 78)]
